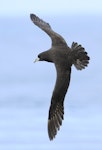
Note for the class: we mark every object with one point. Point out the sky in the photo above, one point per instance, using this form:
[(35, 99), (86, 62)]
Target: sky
[(18, 7)]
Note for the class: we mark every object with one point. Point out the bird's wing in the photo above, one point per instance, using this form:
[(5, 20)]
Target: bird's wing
[(56, 38), (56, 111)]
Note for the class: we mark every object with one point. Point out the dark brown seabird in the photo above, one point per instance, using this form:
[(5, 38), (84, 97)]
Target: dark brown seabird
[(63, 58)]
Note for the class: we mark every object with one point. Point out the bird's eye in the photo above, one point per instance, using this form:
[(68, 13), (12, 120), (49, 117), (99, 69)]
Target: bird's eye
[(38, 56)]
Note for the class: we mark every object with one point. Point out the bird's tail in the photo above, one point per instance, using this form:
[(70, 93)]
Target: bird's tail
[(79, 55)]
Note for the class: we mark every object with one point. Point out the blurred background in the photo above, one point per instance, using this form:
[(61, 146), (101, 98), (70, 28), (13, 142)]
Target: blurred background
[(26, 88)]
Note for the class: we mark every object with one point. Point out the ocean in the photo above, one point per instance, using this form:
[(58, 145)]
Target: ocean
[(26, 88)]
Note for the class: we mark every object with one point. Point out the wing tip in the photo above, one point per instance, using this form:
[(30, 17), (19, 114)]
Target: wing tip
[(32, 16), (51, 130), (54, 125)]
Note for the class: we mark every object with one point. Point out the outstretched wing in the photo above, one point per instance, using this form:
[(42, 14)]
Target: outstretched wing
[(56, 38), (56, 111)]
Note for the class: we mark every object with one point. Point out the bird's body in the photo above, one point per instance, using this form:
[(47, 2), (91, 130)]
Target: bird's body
[(63, 57)]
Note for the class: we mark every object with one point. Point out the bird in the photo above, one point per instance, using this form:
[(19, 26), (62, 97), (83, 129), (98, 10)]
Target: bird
[(63, 57)]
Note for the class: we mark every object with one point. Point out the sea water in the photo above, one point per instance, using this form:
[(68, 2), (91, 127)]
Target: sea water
[(26, 88)]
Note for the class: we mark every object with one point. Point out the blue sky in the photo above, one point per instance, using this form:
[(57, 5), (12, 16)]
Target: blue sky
[(18, 7)]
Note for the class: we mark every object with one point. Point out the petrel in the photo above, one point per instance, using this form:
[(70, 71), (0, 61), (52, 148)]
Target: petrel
[(63, 57)]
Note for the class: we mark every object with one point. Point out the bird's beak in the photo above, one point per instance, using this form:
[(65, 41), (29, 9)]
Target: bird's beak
[(37, 59)]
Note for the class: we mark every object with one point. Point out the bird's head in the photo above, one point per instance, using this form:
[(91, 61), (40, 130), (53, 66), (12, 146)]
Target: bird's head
[(44, 56), (41, 57)]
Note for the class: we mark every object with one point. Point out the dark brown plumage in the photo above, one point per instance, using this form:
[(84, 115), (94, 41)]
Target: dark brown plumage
[(63, 57)]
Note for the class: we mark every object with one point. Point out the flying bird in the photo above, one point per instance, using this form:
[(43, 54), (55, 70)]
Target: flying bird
[(63, 57)]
